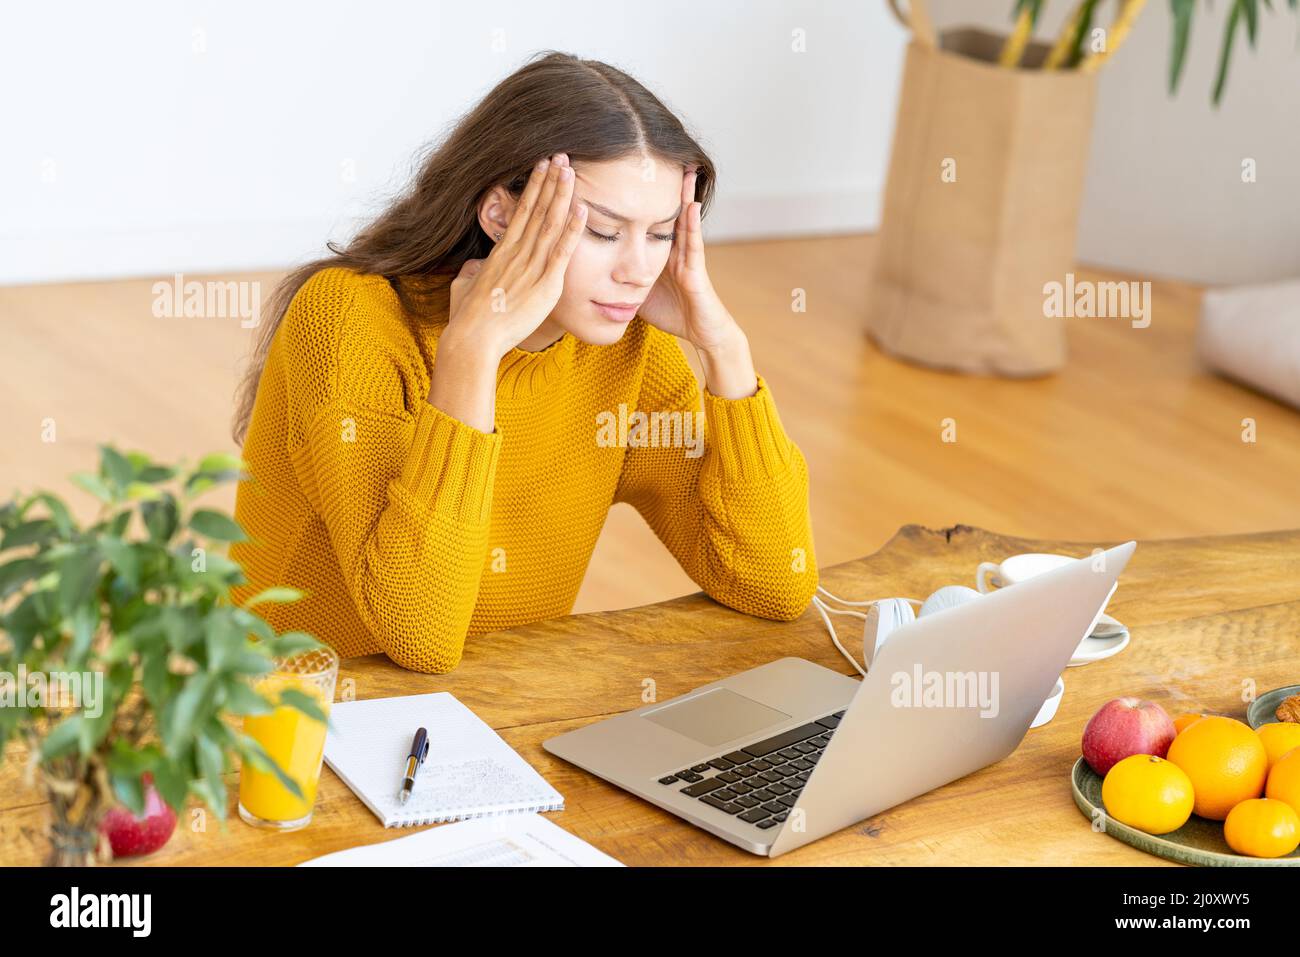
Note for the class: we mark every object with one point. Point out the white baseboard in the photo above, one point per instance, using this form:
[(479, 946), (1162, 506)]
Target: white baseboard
[(219, 248)]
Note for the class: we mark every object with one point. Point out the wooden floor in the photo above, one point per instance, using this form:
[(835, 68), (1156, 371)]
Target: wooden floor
[(1132, 440)]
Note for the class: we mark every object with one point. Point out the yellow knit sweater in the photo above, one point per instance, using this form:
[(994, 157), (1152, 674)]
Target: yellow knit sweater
[(411, 530)]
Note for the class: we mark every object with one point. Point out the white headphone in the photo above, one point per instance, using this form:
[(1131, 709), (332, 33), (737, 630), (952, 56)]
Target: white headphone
[(886, 615)]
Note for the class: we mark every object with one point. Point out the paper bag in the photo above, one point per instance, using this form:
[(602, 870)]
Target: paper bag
[(980, 207)]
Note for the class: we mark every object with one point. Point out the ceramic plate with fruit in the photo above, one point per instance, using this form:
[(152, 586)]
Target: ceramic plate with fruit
[(1280, 704), (1197, 789)]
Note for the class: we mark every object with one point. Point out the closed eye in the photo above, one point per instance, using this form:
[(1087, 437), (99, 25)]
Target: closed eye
[(662, 237)]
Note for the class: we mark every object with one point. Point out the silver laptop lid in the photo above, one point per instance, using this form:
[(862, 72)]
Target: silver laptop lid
[(951, 693)]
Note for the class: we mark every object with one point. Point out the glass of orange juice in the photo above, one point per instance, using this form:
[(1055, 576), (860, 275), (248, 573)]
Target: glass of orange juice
[(292, 739)]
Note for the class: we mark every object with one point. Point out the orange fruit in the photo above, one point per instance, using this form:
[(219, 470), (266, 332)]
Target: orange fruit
[(1262, 827), (1279, 737), (1183, 720), (1225, 760), (1149, 793), (1284, 780)]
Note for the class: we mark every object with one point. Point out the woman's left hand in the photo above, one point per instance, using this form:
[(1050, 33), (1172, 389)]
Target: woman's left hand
[(682, 300)]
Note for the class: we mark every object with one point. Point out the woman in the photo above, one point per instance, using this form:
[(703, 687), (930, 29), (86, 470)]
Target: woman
[(437, 418)]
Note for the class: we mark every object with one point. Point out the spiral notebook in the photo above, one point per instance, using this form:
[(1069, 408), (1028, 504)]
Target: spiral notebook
[(470, 771)]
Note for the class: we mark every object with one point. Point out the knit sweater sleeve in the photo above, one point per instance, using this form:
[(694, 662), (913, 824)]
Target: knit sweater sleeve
[(405, 496), (736, 516)]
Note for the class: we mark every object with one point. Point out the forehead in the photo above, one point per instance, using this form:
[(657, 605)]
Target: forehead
[(643, 189)]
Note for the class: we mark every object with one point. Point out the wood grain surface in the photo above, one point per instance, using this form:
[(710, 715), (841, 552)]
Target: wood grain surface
[(1134, 438), (1214, 620)]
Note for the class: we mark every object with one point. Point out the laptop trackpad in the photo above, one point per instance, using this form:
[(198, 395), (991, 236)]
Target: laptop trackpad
[(716, 716)]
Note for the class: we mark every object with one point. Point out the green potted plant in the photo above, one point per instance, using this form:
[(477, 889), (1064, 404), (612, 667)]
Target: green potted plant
[(1073, 49), (122, 658)]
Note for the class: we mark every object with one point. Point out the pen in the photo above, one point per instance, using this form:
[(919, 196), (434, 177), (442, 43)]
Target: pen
[(419, 751)]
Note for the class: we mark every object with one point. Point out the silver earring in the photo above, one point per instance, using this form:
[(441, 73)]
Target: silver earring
[(497, 236)]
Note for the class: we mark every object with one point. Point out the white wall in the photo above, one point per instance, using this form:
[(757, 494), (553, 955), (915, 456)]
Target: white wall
[(155, 137), (187, 136), (1164, 194)]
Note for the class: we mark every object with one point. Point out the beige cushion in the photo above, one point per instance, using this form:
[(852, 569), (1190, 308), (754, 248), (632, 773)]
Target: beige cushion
[(1252, 334)]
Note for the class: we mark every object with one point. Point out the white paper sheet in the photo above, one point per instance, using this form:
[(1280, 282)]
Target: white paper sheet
[(509, 840)]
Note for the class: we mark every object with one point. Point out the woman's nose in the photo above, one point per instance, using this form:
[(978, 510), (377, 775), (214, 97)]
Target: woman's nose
[(636, 265)]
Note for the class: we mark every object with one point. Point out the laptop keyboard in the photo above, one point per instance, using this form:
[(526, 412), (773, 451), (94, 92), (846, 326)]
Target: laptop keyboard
[(760, 782)]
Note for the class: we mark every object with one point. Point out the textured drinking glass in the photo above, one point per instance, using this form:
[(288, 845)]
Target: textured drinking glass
[(292, 739)]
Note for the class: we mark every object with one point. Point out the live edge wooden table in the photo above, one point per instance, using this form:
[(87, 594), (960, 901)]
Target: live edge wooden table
[(1210, 618)]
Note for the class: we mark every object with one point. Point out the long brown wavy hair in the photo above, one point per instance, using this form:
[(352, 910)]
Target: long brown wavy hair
[(555, 103)]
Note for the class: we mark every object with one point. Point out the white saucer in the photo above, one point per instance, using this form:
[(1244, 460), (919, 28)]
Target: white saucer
[(1095, 649)]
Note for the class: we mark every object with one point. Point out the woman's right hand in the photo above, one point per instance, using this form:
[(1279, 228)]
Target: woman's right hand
[(498, 302)]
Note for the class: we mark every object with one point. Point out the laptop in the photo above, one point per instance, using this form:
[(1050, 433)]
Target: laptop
[(780, 755)]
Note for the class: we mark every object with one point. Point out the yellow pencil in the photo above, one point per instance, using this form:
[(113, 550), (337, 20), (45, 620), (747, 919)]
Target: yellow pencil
[(1118, 31), (1014, 48)]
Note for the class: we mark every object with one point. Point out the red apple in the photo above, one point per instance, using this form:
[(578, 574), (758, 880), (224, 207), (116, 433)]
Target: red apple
[(1124, 727), (132, 836)]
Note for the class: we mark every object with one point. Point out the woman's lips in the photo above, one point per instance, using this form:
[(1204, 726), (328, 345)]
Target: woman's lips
[(616, 313)]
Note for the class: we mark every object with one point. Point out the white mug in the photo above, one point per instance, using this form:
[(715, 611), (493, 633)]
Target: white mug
[(1094, 647), (1017, 568)]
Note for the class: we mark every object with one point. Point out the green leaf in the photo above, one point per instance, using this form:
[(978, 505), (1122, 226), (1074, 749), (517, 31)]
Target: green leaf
[(142, 491), (161, 518), (117, 524), (216, 525), (179, 720), (182, 628), (250, 662), (222, 462), (123, 558), (95, 729), (223, 638), (1251, 11), (200, 482), (115, 467), (62, 739), (173, 783), (130, 791), (1225, 54), (241, 698), (14, 575), (1034, 6), (155, 473), (274, 593), (293, 642), (124, 617), (253, 624), (1081, 32), (154, 679), (78, 577), (299, 701), (85, 622), (58, 512), (38, 530), (1182, 13), (126, 767), (138, 461), (119, 649), (252, 752), (94, 485), (25, 622), (211, 762)]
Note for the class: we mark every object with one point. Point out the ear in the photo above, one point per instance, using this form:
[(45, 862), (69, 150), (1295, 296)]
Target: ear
[(495, 211)]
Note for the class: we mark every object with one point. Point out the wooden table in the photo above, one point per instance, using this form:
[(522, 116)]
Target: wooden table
[(1211, 618)]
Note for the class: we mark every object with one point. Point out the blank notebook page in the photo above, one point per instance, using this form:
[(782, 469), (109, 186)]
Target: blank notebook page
[(470, 771)]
